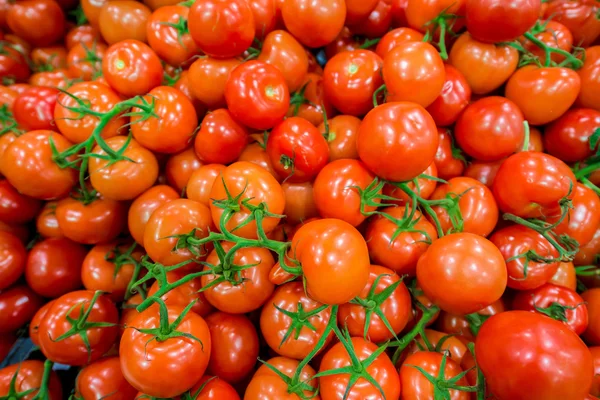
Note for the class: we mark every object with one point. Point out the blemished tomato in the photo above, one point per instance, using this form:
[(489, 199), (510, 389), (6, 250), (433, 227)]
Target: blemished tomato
[(402, 253), (568, 137), (34, 108), (276, 325), (29, 379), (201, 182), (557, 302), (300, 203), (397, 141), (28, 159), (314, 23), (257, 94), (485, 66), (494, 21), (12, 259), (151, 365), (512, 357), (340, 133), (592, 303), (103, 378), (381, 369), (122, 20), (341, 275), (266, 382), (221, 139), (415, 384), (531, 184), (144, 205), (18, 304), (39, 22), (221, 28), (590, 79), (284, 52), (234, 348), (454, 97), (72, 349), (34, 324), (414, 71), (349, 80), (462, 273), (54, 267), (490, 129)]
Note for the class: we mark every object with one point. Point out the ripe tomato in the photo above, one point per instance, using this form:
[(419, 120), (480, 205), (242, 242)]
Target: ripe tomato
[(397, 141), (123, 20), (590, 79), (344, 41), (314, 23), (39, 22), (357, 11), (85, 60), (72, 350), (212, 388), (299, 202), (554, 35), (12, 259), (311, 103), (568, 137), (350, 78), (180, 167), (341, 135), (18, 304), (452, 324), (221, 139), (266, 382), (424, 187), (234, 346), (16, 208), (257, 95), (142, 208), (414, 71), (578, 16), (201, 182), (221, 28), (592, 302), (565, 276), (184, 294), (36, 321), (29, 159), (34, 108), (495, 21), (254, 153), (208, 77), (81, 34), (462, 273), (511, 340), (165, 367), (454, 97), (448, 160), (29, 379), (103, 378), (376, 24), (380, 369), (283, 51), (54, 267)]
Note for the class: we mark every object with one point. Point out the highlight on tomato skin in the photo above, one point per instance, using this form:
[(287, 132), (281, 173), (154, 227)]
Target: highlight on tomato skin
[(300, 199)]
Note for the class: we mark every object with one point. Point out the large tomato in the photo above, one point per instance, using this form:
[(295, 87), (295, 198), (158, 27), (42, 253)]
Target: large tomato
[(267, 384), (28, 379), (314, 23), (495, 21)]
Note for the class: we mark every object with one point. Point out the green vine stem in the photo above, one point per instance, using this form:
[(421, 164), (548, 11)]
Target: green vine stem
[(419, 329), (445, 22), (570, 60), (44, 392)]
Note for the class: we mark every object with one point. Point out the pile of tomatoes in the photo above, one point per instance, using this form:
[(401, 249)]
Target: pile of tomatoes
[(300, 199)]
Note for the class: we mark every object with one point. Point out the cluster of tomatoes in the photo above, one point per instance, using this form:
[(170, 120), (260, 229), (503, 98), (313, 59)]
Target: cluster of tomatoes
[(300, 199)]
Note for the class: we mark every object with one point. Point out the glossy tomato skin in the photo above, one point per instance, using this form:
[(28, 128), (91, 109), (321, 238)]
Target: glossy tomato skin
[(185, 293), (530, 184), (214, 388), (568, 137), (46, 223), (565, 276), (346, 266), (590, 79), (511, 339), (395, 36), (490, 129), (179, 168), (208, 77), (554, 35), (462, 273), (39, 22), (547, 295), (126, 19), (283, 51), (29, 159), (315, 104), (377, 23), (448, 160), (72, 350), (85, 60), (495, 21), (221, 139), (384, 135), (314, 23), (201, 181), (234, 348), (350, 78), (454, 97), (381, 369), (341, 136), (267, 384), (36, 321), (34, 108), (150, 365), (222, 28), (592, 300), (29, 377), (12, 259), (142, 208), (54, 267), (104, 378), (458, 325), (257, 95), (424, 186), (297, 149), (18, 304), (578, 17)]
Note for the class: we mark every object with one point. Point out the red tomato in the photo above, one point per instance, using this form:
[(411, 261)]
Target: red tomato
[(126, 19), (310, 102), (454, 97), (579, 17), (568, 137), (201, 182), (315, 23), (590, 79), (85, 60), (18, 305), (142, 208), (495, 21), (266, 382), (592, 302), (565, 276), (36, 321), (208, 77), (452, 324), (299, 202), (39, 22), (357, 10), (221, 139), (16, 208), (484, 172), (29, 375), (213, 388), (394, 37), (12, 259), (34, 108), (448, 161), (554, 35), (341, 135), (283, 51), (377, 23), (185, 293), (103, 378), (424, 187), (265, 16), (179, 168)]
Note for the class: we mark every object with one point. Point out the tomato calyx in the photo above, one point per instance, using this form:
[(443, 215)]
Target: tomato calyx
[(119, 258), (80, 326), (556, 310), (297, 99), (92, 58), (8, 122), (299, 320), (12, 389), (419, 329), (445, 23), (441, 385), (170, 78), (78, 15), (590, 165), (294, 384), (181, 26), (371, 196), (42, 390)]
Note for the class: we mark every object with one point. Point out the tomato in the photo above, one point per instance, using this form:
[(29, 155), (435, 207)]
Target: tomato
[(234, 346), (58, 78), (452, 324), (143, 207), (201, 182), (402, 252), (283, 51), (595, 389), (377, 24), (29, 379), (350, 78), (12, 259), (18, 304), (485, 66), (530, 184), (257, 95), (29, 159), (208, 77), (421, 14), (254, 153), (125, 179), (592, 302), (565, 276), (85, 60), (495, 21), (314, 23), (477, 206), (300, 202), (34, 108), (122, 20), (213, 388), (568, 137), (34, 324), (380, 369), (268, 384), (578, 17), (20, 231), (587, 253), (132, 68), (448, 160), (184, 294), (543, 94), (16, 208), (344, 41), (221, 139), (46, 223), (293, 337), (341, 135), (394, 37), (424, 187), (462, 273), (103, 378), (357, 11), (484, 172), (222, 28), (453, 99), (310, 102), (557, 302), (54, 267), (590, 79), (81, 34), (39, 22), (341, 275), (97, 222), (554, 35), (414, 71), (415, 385), (179, 168), (53, 57), (512, 357), (165, 367), (168, 37), (172, 218), (397, 141), (13, 65), (250, 183)]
